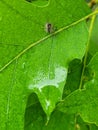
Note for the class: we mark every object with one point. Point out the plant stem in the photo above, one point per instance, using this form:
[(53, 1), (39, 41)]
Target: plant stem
[(87, 49)]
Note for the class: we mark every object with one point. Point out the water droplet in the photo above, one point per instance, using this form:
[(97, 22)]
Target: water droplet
[(41, 80)]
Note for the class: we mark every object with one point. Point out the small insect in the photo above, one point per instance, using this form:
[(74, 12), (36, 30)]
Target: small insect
[(49, 28)]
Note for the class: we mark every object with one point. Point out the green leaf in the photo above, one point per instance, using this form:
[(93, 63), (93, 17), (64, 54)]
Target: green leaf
[(85, 101), (73, 77), (35, 117), (34, 61)]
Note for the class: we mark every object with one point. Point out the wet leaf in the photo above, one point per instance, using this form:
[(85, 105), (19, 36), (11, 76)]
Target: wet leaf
[(32, 60)]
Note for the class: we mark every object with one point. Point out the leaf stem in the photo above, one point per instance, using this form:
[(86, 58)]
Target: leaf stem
[(48, 36), (87, 49)]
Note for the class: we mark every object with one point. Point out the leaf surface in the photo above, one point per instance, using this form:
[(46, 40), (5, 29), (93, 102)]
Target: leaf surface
[(26, 68), (85, 101), (35, 117)]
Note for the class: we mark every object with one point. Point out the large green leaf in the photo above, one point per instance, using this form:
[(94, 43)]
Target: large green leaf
[(26, 68), (35, 117), (85, 101)]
